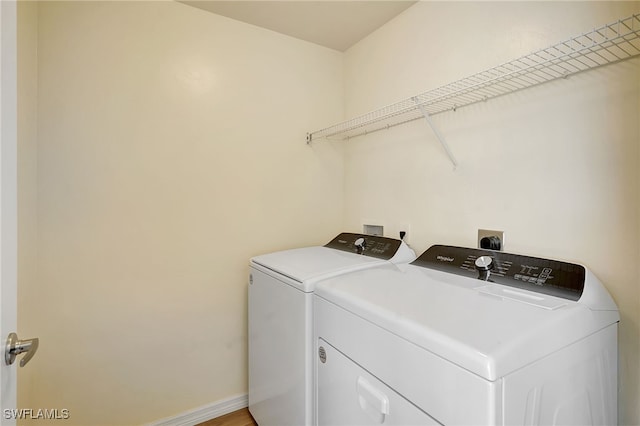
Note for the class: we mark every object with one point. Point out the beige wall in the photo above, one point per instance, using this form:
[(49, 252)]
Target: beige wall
[(171, 148), (556, 167), (163, 130)]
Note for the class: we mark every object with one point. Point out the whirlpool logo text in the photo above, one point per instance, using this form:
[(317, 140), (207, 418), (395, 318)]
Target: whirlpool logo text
[(445, 259)]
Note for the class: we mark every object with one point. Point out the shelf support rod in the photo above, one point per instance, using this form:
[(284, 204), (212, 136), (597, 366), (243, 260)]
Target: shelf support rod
[(436, 131)]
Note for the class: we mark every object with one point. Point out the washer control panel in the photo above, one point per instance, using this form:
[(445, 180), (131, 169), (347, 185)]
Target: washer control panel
[(552, 277), (367, 245)]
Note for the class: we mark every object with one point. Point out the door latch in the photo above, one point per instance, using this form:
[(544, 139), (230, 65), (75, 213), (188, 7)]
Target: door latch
[(15, 347)]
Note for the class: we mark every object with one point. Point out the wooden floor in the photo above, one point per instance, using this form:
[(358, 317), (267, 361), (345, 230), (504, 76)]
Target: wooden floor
[(237, 418)]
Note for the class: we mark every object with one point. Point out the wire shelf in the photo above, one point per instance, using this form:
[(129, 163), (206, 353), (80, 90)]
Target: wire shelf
[(608, 44)]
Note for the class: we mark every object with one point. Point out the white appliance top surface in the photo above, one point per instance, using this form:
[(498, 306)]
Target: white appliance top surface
[(310, 264), (485, 328)]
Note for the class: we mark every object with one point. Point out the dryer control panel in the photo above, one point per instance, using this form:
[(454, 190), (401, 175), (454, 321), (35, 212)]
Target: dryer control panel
[(367, 245), (552, 277)]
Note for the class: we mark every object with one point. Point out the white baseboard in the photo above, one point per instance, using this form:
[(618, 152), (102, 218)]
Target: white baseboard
[(206, 412)]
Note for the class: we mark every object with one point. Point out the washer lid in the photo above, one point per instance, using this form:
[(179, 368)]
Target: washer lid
[(459, 319), (313, 263), (341, 255)]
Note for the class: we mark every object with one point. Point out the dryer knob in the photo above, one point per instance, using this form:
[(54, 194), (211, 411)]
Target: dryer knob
[(484, 263), (360, 244)]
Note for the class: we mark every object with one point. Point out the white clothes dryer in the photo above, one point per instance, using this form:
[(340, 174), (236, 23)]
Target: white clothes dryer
[(466, 337), (281, 287)]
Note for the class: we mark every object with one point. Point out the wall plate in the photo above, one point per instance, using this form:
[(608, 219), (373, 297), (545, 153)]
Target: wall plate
[(377, 230), (482, 233)]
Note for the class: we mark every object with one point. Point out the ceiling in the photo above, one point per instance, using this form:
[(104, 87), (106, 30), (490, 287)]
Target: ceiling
[(335, 24)]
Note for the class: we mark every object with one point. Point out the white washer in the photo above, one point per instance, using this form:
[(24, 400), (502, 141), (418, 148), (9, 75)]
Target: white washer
[(280, 319), (466, 337)]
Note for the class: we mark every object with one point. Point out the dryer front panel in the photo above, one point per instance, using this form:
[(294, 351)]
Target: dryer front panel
[(443, 390), (348, 395)]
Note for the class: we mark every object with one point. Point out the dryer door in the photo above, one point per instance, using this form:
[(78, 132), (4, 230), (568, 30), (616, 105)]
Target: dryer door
[(348, 395)]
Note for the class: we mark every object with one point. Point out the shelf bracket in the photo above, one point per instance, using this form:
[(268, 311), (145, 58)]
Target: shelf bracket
[(436, 131)]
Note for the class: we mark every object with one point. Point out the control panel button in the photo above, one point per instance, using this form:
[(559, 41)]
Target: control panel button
[(360, 244), (484, 263)]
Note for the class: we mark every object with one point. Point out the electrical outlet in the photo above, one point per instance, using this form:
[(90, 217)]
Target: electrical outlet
[(406, 228), (487, 237)]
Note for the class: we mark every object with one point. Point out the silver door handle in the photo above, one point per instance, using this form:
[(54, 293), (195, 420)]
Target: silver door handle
[(16, 347)]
